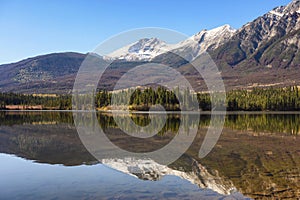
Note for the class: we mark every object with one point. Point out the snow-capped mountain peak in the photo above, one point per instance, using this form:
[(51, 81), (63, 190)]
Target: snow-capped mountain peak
[(144, 49), (146, 44), (203, 41), (216, 31), (292, 7), (210, 36), (148, 48)]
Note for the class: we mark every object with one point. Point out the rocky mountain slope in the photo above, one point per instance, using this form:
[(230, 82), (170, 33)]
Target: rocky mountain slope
[(271, 41), (262, 53), (148, 48), (52, 72)]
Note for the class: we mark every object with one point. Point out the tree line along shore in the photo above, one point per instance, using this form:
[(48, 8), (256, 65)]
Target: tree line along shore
[(257, 99)]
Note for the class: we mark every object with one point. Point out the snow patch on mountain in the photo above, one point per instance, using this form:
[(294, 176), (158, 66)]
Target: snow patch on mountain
[(204, 40), (144, 49), (276, 13), (148, 48), (292, 7)]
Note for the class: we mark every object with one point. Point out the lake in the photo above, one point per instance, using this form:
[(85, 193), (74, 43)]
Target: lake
[(43, 157)]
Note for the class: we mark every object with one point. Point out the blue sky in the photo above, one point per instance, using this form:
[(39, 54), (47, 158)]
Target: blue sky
[(30, 28)]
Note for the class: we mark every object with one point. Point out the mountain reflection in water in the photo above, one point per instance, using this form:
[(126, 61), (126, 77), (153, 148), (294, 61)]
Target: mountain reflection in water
[(257, 154)]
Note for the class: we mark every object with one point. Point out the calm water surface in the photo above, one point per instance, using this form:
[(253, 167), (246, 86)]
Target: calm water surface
[(256, 157)]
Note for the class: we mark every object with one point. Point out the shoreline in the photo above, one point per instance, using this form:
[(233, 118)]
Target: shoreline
[(160, 112)]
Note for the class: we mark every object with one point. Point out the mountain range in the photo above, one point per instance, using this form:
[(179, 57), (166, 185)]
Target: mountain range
[(148, 49), (262, 53)]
